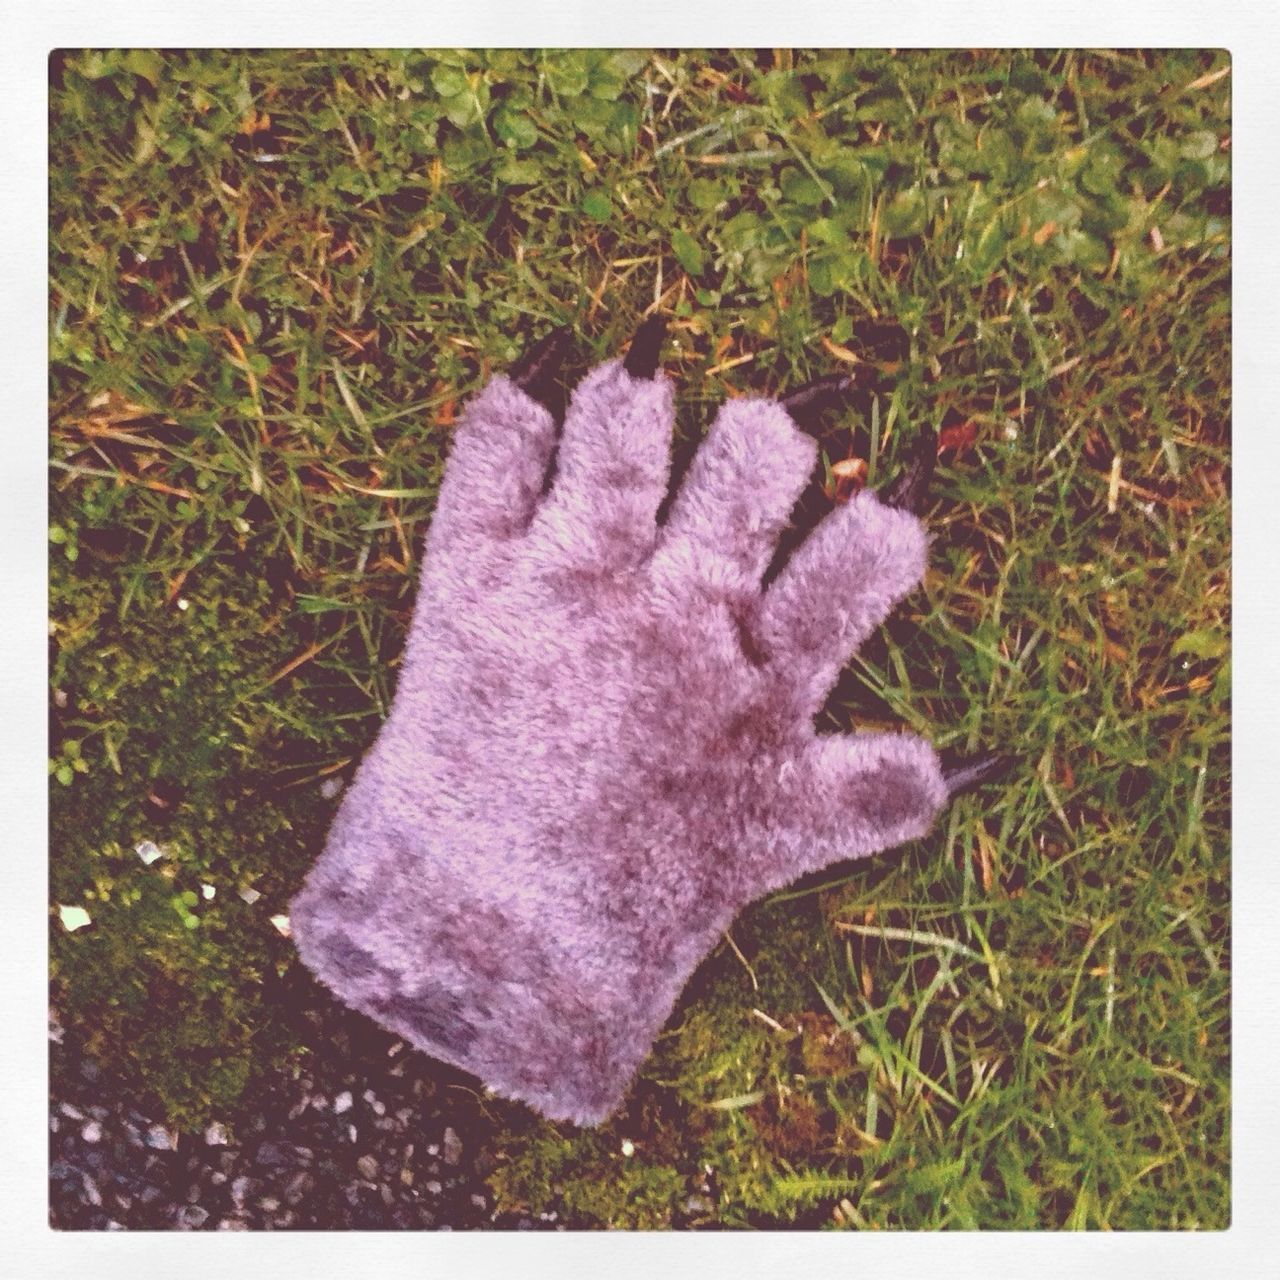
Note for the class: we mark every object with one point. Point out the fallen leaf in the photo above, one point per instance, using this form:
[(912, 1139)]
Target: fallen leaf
[(959, 436)]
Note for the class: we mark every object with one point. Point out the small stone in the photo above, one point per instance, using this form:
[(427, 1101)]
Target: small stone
[(351, 1132), (216, 1134), (207, 891), (433, 1149), (217, 1177), (249, 895), (92, 1194), (342, 1102), (368, 1167), (71, 1112), (73, 918), (92, 1132), (297, 1186), (232, 1224), (239, 1189), (148, 851), (269, 1204), (158, 1138), (478, 1201), (330, 787), (406, 1177), (270, 1153), (281, 923), (192, 1217), (433, 1187), (452, 1146), (628, 1147)]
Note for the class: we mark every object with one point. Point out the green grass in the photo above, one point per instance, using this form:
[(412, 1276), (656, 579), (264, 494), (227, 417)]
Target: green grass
[(274, 276)]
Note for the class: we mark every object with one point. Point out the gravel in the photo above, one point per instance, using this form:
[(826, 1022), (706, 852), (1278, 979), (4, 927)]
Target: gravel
[(374, 1137)]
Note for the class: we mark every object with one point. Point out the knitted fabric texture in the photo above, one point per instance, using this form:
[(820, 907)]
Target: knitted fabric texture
[(602, 744)]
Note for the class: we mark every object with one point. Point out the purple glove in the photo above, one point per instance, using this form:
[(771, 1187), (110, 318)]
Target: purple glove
[(601, 747)]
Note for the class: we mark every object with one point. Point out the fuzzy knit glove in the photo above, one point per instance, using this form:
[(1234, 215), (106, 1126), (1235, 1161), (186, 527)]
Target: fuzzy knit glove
[(602, 744)]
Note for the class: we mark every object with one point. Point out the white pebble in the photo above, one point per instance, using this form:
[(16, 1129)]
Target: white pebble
[(342, 1102), (452, 1147), (148, 851), (73, 918), (216, 1135), (207, 891), (330, 787), (249, 895), (92, 1132), (628, 1147), (158, 1137)]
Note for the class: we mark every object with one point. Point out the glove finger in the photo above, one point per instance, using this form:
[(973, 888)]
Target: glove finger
[(500, 453), (848, 796), (835, 590), (738, 493), (611, 471)]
